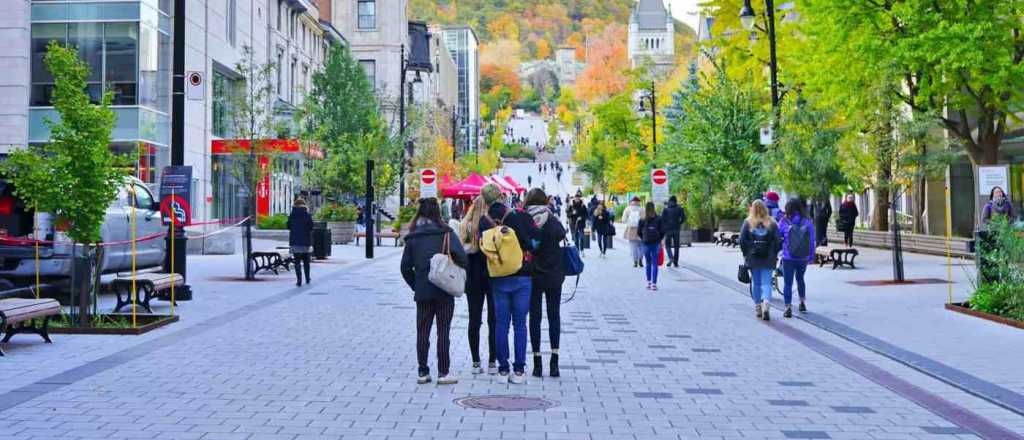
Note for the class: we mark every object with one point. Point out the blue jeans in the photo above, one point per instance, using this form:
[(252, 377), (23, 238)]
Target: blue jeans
[(761, 284), (789, 270), (651, 252), (511, 303)]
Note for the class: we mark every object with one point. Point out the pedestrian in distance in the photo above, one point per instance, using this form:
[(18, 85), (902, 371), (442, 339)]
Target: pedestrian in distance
[(631, 217), (603, 227), (428, 236), (822, 214), (300, 238), (478, 288), (512, 292), (760, 244), (771, 200), (998, 205), (672, 217), (578, 221), (847, 219), (651, 233), (548, 276), (797, 252)]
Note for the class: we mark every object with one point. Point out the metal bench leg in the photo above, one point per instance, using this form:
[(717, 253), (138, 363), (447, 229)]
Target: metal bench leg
[(120, 302), (147, 298), (45, 331)]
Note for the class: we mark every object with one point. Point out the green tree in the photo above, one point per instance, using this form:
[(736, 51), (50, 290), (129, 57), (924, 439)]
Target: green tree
[(74, 176), (805, 157)]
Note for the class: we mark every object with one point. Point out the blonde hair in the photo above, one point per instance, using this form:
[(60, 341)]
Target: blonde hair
[(469, 229), (758, 214)]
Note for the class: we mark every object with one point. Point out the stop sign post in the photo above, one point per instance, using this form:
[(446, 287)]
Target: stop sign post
[(428, 183), (659, 185)]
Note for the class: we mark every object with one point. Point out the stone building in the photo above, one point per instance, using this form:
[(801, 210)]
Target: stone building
[(652, 36)]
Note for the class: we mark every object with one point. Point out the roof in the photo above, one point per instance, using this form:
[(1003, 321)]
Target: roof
[(651, 15)]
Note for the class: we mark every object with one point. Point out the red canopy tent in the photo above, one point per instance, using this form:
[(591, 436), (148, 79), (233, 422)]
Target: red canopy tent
[(504, 185), (465, 189), (516, 185)]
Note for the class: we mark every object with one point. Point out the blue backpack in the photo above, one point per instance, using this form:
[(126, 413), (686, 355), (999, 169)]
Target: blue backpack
[(572, 264)]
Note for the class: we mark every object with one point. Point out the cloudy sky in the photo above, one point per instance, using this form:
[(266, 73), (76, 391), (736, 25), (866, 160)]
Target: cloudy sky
[(685, 11)]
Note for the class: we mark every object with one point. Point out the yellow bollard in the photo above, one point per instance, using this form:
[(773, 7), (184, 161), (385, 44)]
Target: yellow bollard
[(131, 219), (35, 235), (949, 249), (173, 220)]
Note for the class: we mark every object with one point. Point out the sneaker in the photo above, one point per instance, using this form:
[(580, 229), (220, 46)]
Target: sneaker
[(765, 313), (502, 373), (803, 308), (447, 380), (788, 313), (654, 287), (477, 369), (424, 378), (648, 285), (517, 378), (492, 368)]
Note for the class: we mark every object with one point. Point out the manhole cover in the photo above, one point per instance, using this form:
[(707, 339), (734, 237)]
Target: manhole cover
[(506, 403)]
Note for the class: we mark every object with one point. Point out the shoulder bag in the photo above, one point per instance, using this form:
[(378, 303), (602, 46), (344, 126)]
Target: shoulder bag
[(444, 273)]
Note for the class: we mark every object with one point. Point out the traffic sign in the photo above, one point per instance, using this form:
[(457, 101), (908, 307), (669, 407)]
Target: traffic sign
[(196, 86), (659, 185), (428, 183)]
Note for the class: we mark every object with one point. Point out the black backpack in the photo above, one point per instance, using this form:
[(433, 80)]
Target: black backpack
[(651, 232), (762, 242), (798, 243)]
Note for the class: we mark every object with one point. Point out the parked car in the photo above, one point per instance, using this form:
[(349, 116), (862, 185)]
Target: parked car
[(18, 244)]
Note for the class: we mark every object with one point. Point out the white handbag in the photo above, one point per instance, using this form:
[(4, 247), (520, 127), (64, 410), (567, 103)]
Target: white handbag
[(444, 273)]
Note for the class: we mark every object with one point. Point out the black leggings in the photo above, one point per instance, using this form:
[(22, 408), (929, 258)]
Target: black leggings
[(551, 292), (848, 237), (476, 311), (302, 261), (602, 244)]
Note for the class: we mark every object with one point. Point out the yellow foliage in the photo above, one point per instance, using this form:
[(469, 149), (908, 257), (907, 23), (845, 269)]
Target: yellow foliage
[(626, 173), (543, 49)]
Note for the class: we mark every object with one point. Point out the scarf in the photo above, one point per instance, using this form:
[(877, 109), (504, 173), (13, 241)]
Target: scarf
[(540, 214)]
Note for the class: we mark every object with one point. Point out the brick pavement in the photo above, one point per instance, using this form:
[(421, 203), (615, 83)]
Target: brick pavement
[(336, 360)]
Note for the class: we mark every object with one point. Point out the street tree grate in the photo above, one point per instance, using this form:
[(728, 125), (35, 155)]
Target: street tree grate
[(506, 403)]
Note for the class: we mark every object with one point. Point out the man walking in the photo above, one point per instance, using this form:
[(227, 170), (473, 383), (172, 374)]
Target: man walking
[(672, 219)]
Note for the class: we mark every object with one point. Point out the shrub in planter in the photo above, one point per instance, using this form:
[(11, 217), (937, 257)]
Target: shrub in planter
[(619, 209), (1001, 291), (337, 213), (272, 222)]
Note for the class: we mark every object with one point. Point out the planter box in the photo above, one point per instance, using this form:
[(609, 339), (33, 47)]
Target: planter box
[(146, 323), (965, 309), (701, 235), (730, 225), (342, 232)]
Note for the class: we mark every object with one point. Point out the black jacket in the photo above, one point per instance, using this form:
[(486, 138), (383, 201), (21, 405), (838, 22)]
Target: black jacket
[(420, 246), (768, 261), (847, 216), (547, 258), (651, 238), (603, 223), (672, 218), (822, 213), (300, 227), (522, 224), (577, 215)]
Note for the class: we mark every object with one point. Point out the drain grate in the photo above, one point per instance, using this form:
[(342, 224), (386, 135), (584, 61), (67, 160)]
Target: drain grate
[(506, 403)]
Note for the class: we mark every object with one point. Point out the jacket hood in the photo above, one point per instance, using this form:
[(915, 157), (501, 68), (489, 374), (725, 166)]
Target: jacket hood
[(298, 210), (425, 228), (540, 214)]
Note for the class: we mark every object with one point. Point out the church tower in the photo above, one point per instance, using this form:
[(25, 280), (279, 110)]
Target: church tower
[(652, 36)]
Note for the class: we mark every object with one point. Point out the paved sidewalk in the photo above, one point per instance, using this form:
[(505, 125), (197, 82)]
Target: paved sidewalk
[(336, 361)]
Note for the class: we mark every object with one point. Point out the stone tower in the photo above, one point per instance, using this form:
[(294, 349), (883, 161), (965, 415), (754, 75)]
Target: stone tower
[(652, 36)]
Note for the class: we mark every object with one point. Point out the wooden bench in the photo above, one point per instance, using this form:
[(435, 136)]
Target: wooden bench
[(270, 261), (726, 238), (378, 236), (18, 315), (839, 257), (152, 285)]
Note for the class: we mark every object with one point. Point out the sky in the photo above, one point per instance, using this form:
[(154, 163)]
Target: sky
[(685, 11)]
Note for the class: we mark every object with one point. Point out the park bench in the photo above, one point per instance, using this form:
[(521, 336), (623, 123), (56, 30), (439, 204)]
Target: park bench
[(150, 284), (19, 315), (270, 261), (727, 238), (378, 236), (839, 257)]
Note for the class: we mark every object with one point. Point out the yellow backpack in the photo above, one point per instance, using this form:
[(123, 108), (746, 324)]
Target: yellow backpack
[(501, 247)]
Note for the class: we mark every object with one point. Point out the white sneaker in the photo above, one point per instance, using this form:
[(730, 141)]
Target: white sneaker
[(477, 369), (423, 379), (492, 368), (447, 380), (517, 378)]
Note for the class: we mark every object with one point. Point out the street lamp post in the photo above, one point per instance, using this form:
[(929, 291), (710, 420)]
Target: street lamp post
[(652, 99), (748, 19), (401, 126)]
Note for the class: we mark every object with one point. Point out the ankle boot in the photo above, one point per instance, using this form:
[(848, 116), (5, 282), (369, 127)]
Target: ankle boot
[(554, 365), (538, 370)]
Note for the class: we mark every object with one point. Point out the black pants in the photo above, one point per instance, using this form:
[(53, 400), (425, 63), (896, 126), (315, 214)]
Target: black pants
[(426, 312), (602, 242), (672, 247), (476, 311), (302, 261), (848, 237), (550, 291)]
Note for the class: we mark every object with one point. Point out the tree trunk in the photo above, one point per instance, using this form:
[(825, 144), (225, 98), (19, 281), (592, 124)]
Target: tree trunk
[(880, 211), (919, 195)]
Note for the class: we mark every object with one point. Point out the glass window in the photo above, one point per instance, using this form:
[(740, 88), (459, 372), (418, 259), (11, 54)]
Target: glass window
[(280, 12), (367, 14), (42, 81), (280, 73), (229, 21), (224, 91), (370, 66), (121, 44), (143, 199)]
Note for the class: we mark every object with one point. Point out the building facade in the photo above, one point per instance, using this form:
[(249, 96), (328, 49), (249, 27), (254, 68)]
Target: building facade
[(568, 66), (464, 47), (652, 36)]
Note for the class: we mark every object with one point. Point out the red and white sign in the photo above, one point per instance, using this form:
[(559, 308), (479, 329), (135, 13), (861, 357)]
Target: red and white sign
[(428, 183), (659, 185)]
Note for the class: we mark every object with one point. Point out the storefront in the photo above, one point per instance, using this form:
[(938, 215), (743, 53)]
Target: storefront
[(281, 163)]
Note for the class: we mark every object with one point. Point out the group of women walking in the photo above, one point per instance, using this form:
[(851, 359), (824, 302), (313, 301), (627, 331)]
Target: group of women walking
[(764, 239), (536, 286)]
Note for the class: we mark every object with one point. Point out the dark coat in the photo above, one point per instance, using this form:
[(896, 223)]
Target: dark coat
[(300, 227), (747, 247), (847, 216), (672, 218), (649, 238), (522, 224), (577, 215), (822, 213), (547, 258), (420, 246), (603, 223)]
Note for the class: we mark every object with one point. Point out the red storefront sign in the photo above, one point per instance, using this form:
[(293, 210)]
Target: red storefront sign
[(264, 150), (263, 188)]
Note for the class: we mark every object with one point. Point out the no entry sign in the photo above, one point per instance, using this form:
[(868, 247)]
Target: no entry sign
[(659, 185), (428, 183)]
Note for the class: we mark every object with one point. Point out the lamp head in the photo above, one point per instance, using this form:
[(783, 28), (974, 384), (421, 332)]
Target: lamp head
[(747, 16)]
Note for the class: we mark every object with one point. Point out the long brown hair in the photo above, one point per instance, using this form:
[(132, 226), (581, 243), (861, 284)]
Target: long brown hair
[(649, 211), (470, 227), (428, 209)]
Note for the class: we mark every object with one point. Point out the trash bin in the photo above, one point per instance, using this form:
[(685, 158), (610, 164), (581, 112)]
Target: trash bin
[(321, 241)]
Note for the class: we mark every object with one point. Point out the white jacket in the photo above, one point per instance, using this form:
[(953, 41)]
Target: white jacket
[(631, 216)]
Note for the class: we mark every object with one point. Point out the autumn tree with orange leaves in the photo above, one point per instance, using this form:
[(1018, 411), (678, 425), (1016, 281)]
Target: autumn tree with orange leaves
[(607, 63)]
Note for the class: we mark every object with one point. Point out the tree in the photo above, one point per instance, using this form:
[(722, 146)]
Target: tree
[(607, 59), (74, 176), (805, 157)]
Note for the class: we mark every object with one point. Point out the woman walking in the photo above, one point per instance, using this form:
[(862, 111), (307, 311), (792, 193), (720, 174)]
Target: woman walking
[(651, 233), (300, 238), (797, 251), (603, 227), (631, 217), (847, 219), (548, 276), (478, 288), (759, 242), (428, 236)]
